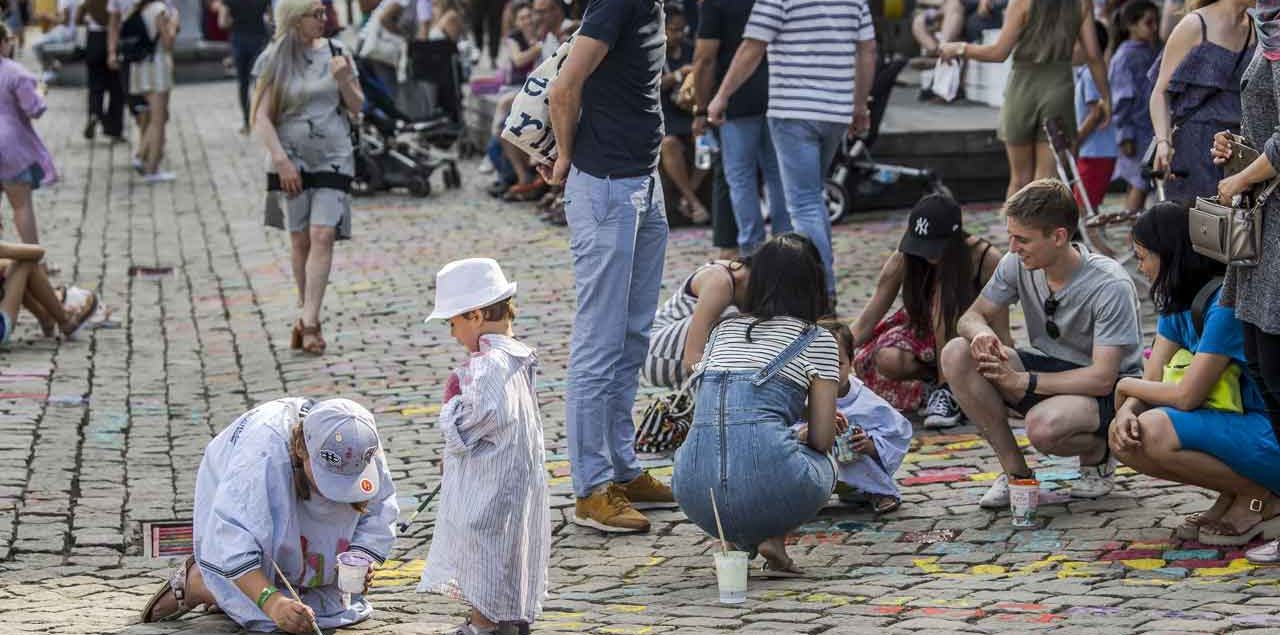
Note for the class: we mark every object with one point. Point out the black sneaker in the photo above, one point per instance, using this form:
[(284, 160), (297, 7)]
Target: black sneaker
[(943, 410)]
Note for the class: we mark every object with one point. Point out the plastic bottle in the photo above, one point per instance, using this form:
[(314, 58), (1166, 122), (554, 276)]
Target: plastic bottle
[(704, 149)]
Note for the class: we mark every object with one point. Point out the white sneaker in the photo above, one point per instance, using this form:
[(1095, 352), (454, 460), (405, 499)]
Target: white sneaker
[(1265, 554), (997, 496), (1095, 480), (138, 165), (159, 177), (943, 410)]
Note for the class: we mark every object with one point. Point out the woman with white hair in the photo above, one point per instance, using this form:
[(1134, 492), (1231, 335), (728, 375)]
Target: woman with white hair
[(287, 487), (304, 83)]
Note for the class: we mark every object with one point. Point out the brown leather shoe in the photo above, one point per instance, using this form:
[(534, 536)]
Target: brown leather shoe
[(647, 492), (608, 510)]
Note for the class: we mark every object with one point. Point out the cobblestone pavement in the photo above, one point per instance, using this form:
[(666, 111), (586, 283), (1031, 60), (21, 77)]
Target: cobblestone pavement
[(101, 433)]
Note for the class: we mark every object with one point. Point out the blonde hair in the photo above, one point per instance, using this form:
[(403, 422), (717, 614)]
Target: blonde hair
[(284, 58)]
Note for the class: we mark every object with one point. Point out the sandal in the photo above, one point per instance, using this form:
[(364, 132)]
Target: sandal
[(177, 585), (1220, 534), (791, 571), (295, 338), (1191, 524), (312, 341), (884, 504), (86, 311)]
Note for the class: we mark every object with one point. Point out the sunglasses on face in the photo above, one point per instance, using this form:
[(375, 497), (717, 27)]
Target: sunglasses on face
[(1051, 307)]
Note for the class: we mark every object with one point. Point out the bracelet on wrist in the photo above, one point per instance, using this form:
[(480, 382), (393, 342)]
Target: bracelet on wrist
[(266, 594), (1032, 380)]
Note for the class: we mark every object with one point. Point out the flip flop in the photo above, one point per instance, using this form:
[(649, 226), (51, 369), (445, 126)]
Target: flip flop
[(768, 572), (885, 504)]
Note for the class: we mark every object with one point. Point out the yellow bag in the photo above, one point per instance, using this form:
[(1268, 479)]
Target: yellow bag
[(1225, 395)]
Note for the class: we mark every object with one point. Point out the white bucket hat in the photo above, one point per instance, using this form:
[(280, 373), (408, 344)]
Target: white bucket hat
[(467, 285)]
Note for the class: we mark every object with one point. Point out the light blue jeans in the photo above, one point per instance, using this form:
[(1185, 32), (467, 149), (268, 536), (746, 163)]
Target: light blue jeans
[(805, 150), (618, 238), (767, 483), (747, 146)]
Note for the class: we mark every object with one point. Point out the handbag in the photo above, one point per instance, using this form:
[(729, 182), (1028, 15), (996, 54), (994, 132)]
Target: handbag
[(380, 45), (1224, 396), (528, 127), (666, 422), (1231, 233)]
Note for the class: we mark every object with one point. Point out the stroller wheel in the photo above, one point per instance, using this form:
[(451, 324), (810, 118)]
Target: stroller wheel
[(419, 186), (837, 200), (452, 178)]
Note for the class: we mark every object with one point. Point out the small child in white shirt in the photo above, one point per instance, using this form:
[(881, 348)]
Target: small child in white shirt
[(493, 531), (880, 445)]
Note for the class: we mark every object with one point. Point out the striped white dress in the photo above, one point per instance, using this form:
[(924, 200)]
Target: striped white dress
[(493, 529)]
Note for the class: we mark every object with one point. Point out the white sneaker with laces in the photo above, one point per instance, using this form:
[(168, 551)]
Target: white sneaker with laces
[(159, 177), (1265, 554), (943, 410), (997, 496), (1095, 481)]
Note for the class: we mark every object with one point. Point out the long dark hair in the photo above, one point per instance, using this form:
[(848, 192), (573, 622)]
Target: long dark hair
[(787, 279), (1162, 230), (1128, 15), (951, 280)]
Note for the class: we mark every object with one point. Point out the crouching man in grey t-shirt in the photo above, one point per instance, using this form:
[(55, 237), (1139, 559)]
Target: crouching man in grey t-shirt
[(1082, 318)]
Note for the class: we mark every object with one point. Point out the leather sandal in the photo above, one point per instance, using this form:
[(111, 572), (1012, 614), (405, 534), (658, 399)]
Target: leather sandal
[(1220, 534), (312, 341), (295, 338), (177, 585)]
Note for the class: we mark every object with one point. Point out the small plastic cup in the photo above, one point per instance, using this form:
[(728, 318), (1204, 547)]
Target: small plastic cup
[(1024, 497), (352, 567), (731, 576)]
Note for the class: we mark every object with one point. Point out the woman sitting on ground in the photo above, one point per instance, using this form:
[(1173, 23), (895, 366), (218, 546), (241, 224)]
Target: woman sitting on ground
[(288, 486), (1182, 432), (939, 269), (677, 163), (682, 324), (24, 283), (764, 371)]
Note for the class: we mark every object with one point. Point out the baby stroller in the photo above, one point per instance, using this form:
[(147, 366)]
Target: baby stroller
[(854, 173), (393, 150)]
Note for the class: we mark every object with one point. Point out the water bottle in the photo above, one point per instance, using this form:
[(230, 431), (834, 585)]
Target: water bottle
[(844, 446), (703, 149)]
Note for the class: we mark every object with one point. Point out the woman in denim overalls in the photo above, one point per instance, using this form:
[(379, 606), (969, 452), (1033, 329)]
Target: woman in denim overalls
[(766, 482)]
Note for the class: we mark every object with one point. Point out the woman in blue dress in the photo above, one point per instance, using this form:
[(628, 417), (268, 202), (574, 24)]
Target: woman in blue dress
[(1197, 93), (1175, 431)]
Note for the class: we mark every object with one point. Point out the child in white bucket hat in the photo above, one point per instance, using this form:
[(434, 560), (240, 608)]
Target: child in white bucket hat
[(493, 530)]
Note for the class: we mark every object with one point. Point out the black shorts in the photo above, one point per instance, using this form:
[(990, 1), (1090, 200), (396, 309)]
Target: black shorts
[(1037, 363)]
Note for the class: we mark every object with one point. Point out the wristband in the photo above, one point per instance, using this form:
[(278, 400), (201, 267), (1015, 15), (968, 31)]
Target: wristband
[(266, 594), (1031, 383)]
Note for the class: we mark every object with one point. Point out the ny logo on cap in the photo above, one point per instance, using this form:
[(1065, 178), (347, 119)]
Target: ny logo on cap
[(922, 226)]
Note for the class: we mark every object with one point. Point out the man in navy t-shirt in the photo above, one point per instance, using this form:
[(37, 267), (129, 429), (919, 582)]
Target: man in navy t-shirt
[(608, 126)]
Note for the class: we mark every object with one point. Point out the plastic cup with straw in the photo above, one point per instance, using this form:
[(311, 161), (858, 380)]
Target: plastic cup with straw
[(731, 566)]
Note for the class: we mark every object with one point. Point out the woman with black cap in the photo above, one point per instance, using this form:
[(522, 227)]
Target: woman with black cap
[(938, 269)]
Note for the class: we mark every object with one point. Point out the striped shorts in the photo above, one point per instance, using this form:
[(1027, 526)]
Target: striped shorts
[(664, 365)]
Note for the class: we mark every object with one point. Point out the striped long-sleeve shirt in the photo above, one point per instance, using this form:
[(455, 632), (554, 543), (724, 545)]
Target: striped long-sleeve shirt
[(493, 530), (812, 46)]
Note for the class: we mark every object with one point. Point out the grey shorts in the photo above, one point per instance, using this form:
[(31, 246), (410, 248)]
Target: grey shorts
[(319, 206)]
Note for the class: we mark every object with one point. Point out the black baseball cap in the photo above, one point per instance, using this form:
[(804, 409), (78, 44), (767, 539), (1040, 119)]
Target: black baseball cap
[(933, 220)]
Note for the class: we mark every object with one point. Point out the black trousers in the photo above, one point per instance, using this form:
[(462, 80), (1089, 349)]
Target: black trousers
[(724, 227), (245, 48), (486, 17), (104, 82), (1262, 352)]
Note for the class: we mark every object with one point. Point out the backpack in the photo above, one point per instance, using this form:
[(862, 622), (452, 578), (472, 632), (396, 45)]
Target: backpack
[(1201, 303), (135, 43)]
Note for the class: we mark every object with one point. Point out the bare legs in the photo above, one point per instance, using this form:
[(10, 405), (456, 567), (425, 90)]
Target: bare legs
[(676, 165), (949, 31), (1027, 162), (312, 257), (24, 217), (153, 136), (26, 284)]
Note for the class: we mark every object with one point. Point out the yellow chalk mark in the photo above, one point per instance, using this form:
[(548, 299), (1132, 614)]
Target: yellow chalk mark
[(663, 471), (1143, 564), (1150, 546), (415, 411), (1022, 440), (826, 598), (559, 480), (1038, 565), (1125, 470), (655, 561), (987, 569), (555, 465), (1235, 567), (1151, 582), (626, 608), (1075, 569), (923, 458), (562, 615), (928, 565), (962, 445), (897, 600), (954, 603), (984, 476), (627, 630), (779, 593)]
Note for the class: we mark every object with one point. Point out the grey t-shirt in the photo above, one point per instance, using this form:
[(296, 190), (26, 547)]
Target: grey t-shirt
[(315, 134), (1098, 307)]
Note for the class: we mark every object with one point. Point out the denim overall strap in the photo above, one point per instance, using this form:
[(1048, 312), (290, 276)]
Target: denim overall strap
[(794, 348)]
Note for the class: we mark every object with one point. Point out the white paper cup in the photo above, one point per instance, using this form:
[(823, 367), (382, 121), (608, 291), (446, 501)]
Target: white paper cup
[(1024, 497), (352, 567), (731, 575)]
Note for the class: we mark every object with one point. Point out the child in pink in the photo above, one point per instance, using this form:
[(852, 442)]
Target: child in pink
[(25, 164)]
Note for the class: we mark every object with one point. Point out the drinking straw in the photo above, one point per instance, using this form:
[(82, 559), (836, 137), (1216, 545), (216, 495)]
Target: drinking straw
[(295, 594), (724, 546)]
